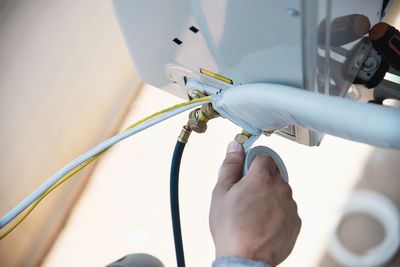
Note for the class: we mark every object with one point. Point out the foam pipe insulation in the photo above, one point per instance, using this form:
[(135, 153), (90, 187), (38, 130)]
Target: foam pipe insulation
[(257, 107)]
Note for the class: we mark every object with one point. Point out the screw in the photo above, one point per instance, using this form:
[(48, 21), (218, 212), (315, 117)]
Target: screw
[(370, 64), (292, 11)]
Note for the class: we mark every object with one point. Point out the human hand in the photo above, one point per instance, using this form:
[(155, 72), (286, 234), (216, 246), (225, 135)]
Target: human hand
[(253, 217)]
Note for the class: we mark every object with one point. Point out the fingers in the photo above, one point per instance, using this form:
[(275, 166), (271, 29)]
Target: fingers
[(232, 167), (263, 166)]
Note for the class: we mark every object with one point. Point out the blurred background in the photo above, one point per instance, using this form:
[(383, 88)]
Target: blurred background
[(67, 83)]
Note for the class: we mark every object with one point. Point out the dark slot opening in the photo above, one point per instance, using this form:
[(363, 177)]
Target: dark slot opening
[(193, 29), (177, 41)]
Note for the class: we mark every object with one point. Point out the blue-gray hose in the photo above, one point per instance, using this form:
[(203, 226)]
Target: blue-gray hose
[(174, 200)]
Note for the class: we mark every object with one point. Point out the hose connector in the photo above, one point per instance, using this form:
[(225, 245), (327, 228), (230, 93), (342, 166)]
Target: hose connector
[(185, 134)]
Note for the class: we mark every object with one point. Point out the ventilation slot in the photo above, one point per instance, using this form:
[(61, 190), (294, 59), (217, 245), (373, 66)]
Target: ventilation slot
[(193, 29), (177, 41)]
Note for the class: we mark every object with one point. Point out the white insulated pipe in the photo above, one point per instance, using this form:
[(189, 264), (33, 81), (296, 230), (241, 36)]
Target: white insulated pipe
[(257, 107)]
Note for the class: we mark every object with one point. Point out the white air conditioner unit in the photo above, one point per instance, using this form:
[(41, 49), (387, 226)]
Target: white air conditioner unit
[(307, 44)]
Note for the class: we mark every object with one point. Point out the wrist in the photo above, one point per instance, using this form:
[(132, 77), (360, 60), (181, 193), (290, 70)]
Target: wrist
[(244, 252), (237, 253), (237, 262)]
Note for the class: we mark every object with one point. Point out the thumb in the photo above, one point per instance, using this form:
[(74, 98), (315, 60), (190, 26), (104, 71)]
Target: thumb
[(232, 167)]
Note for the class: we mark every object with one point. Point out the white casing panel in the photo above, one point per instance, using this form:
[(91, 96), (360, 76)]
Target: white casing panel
[(247, 41), (252, 41)]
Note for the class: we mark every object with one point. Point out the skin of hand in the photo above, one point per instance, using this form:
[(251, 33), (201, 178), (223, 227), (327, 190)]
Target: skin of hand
[(254, 216)]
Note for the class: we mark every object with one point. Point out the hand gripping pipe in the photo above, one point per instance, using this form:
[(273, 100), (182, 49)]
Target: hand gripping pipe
[(257, 107)]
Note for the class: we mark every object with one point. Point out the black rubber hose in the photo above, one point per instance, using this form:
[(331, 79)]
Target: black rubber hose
[(174, 200)]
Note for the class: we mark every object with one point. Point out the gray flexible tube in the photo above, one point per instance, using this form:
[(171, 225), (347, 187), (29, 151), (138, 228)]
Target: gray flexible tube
[(251, 154), (256, 107)]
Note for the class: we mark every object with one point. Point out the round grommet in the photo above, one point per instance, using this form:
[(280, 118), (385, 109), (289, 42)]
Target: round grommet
[(384, 211), (268, 151)]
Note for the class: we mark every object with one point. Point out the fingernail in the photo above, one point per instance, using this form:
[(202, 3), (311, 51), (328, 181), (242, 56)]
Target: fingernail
[(233, 147)]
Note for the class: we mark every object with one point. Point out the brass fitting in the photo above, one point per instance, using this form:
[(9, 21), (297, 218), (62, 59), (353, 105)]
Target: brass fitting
[(198, 118), (242, 137), (197, 94), (185, 134), (208, 111)]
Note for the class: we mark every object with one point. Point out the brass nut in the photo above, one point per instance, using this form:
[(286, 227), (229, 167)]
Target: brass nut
[(241, 138), (197, 125), (209, 112), (244, 132), (197, 94), (198, 118)]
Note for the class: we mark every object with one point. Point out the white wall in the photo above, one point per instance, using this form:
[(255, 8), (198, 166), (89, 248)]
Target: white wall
[(65, 82)]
